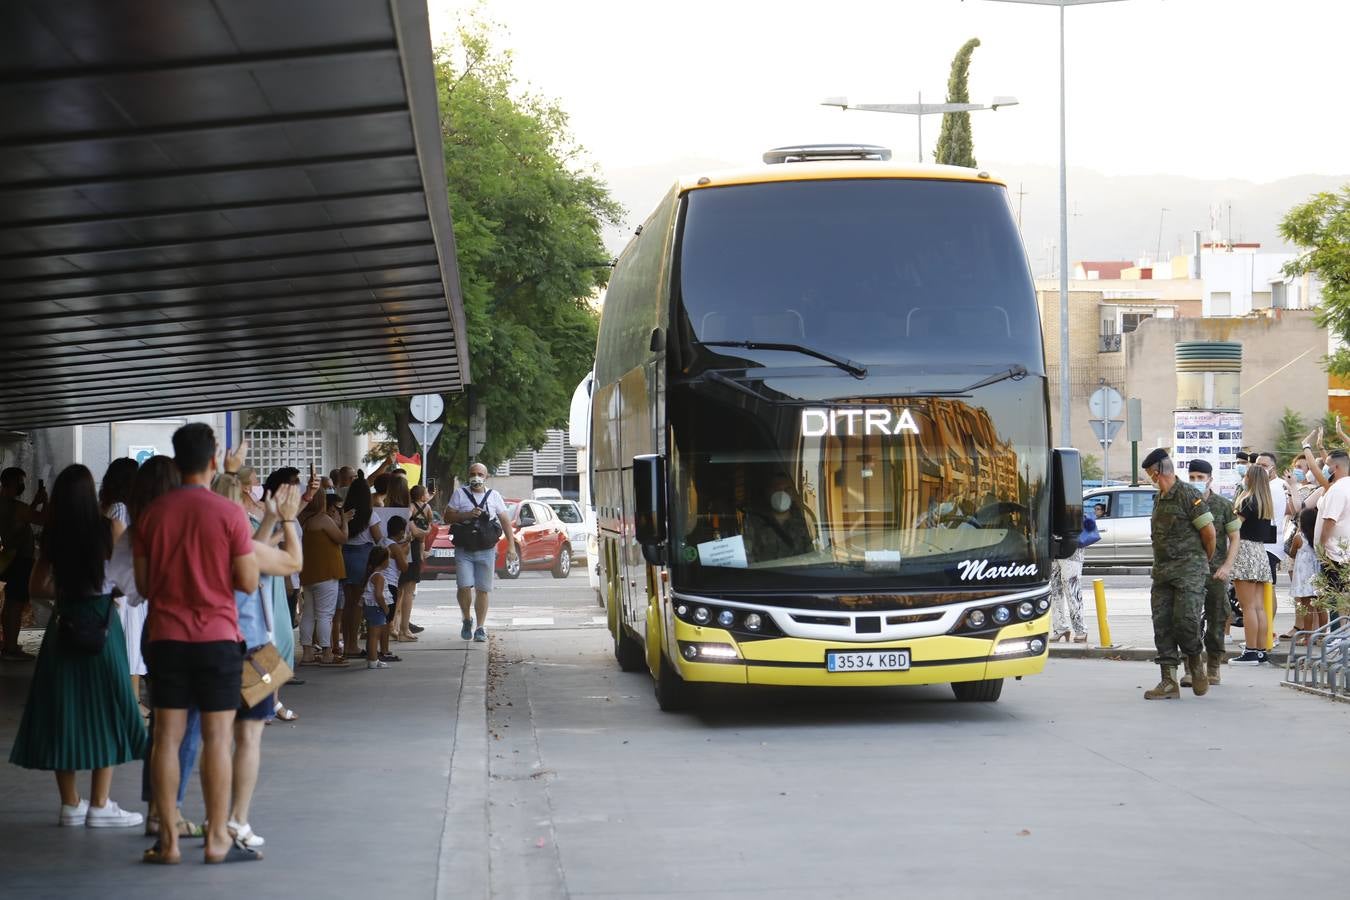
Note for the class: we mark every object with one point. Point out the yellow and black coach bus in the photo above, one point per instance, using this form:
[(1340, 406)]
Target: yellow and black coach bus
[(820, 437)]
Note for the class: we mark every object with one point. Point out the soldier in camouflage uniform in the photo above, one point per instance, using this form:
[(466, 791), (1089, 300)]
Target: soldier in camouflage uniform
[(1226, 525), (1183, 543)]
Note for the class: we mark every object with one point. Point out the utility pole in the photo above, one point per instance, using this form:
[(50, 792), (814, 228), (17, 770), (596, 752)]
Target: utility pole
[(1020, 194), (1157, 255)]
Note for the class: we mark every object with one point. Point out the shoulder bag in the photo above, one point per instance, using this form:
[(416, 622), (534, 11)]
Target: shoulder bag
[(84, 634), (480, 532), (264, 669)]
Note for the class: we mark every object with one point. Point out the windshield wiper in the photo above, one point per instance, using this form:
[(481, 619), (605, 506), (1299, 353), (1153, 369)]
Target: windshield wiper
[(857, 370), (1016, 372)]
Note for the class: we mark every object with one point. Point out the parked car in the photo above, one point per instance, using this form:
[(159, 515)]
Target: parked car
[(1123, 514), (574, 520), (543, 540)]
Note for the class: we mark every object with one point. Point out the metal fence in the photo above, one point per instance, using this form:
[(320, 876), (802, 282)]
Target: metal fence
[(1319, 661), (271, 450)]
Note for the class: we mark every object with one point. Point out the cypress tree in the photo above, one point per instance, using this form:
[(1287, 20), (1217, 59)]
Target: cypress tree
[(956, 146)]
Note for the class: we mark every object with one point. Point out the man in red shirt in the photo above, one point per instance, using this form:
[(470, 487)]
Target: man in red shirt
[(192, 549)]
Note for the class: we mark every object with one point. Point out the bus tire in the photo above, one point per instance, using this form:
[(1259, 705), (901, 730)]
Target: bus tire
[(672, 691), (562, 566), (986, 691), (629, 652)]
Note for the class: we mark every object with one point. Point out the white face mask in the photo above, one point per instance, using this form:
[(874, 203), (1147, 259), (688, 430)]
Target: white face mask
[(781, 501), (477, 481), (256, 492)]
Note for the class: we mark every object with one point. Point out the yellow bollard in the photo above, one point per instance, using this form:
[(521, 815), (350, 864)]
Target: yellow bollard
[(1270, 615), (1103, 627)]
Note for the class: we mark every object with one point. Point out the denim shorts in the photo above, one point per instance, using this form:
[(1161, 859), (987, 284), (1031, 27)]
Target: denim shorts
[(375, 615), (354, 559), (474, 568)]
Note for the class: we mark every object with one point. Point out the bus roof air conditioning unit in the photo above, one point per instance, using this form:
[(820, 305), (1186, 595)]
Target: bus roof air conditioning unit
[(819, 152)]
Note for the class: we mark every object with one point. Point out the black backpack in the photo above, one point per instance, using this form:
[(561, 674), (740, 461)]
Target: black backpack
[(480, 532)]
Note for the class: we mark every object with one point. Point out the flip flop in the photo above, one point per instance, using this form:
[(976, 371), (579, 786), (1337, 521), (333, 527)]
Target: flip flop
[(155, 857), (337, 661), (286, 714), (237, 853)]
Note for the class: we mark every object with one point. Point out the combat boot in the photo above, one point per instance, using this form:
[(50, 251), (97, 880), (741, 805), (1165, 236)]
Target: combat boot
[(1199, 677), (1167, 689), (1213, 665), (1186, 678)]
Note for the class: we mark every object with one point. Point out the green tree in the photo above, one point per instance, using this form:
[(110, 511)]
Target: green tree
[(956, 145), (1092, 467), (528, 220), (1321, 227), (1289, 440), (271, 418)]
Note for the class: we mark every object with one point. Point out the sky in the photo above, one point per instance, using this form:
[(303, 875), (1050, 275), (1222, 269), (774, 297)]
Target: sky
[(1213, 89), (1249, 89)]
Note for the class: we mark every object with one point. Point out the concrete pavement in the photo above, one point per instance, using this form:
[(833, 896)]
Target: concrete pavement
[(549, 773)]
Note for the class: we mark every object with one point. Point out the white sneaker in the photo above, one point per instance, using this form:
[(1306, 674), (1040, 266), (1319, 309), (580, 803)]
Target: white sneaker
[(74, 815), (377, 664), (112, 816)]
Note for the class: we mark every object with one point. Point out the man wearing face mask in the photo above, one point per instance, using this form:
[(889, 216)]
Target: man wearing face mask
[(1182, 530), (1226, 526), (474, 568), (778, 528), (16, 553), (1332, 536)]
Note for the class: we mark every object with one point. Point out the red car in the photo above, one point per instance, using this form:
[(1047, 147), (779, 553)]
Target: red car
[(542, 536)]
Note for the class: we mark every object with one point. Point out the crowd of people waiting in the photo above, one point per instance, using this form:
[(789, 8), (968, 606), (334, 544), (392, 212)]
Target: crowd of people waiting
[(176, 578)]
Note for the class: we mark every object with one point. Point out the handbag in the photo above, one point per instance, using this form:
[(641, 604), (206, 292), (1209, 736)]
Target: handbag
[(84, 634), (264, 672), (1289, 540)]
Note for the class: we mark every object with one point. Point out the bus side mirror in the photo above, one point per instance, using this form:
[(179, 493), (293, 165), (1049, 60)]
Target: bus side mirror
[(1066, 516), (649, 506)]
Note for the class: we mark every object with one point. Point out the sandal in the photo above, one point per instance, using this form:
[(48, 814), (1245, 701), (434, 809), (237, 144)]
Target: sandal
[(155, 856), (335, 661), (1080, 638), (284, 714), (409, 638), (237, 853), (1287, 636)]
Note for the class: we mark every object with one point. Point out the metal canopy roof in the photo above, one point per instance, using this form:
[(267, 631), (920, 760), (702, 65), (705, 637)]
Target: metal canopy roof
[(220, 205)]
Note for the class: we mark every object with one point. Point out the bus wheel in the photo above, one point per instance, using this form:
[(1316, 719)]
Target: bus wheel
[(986, 691), (629, 652), (672, 691)]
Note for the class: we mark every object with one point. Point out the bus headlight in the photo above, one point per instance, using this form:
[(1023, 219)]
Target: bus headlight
[(753, 622), (975, 618), (1025, 610), (682, 610), (726, 618), (1002, 615), (1043, 604), (702, 616)]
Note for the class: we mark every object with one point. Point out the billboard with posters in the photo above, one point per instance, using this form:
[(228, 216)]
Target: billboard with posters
[(1211, 436)]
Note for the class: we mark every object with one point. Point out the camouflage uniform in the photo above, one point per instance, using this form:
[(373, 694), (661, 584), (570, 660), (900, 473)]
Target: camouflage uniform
[(1226, 525), (1180, 571)]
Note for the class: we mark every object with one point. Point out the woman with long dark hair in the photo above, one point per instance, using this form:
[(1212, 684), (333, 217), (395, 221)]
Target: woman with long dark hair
[(114, 493), (363, 535), (80, 713)]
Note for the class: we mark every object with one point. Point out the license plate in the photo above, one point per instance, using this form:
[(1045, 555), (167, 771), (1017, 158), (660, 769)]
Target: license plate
[(867, 660), (443, 553)]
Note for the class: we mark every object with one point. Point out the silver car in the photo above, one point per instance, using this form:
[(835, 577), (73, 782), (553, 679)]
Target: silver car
[(1123, 513), (574, 521)]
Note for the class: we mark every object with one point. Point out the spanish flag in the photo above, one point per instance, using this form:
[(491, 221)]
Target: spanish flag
[(410, 464)]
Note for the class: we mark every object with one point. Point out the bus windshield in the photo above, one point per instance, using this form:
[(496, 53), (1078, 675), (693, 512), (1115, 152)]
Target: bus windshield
[(872, 270), (888, 493)]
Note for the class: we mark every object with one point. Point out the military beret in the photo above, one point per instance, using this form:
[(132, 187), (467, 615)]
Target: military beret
[(1200, 465), (1153, 458), (1243, 456)]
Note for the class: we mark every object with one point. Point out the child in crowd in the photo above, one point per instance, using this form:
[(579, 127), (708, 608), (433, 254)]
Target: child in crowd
[(1305, 568), (373, 597), (399, 551)]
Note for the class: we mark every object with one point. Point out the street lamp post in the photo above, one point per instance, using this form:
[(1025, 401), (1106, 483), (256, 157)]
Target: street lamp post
[(919, 110), (1066, 439)]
